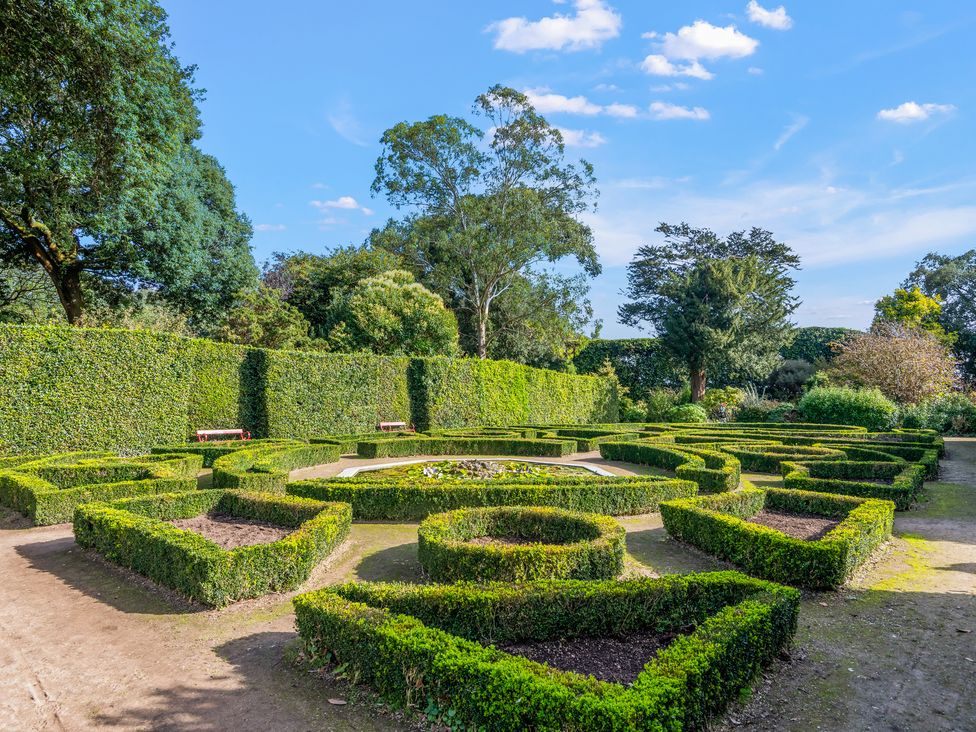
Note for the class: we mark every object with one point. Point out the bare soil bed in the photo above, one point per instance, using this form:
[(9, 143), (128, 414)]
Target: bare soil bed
[(617, 660), (230, 532), (798, 525)]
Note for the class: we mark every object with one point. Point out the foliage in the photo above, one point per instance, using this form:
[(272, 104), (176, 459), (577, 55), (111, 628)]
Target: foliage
[(489, 212), (560, 544), (867, 408), (717, 525), (392, 315), (311, 282), (515, 446), (391, 635), (906, 365), (134, 533), (953, 280), (261, 318), (813, 344), (689, 413), (641, 363), (766, 410), (99, 182), (719, 403), (915, 310), (952, 414), (384, 499), (710, 469), (788, 380), (899, 482), (265, 468), (715, 304), (659, 402)]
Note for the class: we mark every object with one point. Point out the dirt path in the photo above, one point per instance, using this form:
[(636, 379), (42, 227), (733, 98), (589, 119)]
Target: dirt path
[(83, 646)]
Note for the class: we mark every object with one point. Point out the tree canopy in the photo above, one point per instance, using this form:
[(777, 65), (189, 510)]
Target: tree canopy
[(98, 176), (715, 304), (488, 212), (913, 309)]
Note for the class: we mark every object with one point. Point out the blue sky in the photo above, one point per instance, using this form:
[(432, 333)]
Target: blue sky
[(846, 128)]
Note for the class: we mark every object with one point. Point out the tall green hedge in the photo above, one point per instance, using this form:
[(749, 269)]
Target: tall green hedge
[(70, 388), (128, 391)]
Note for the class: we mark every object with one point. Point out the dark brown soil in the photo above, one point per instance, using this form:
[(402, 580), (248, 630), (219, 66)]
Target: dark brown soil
[(616, 660), (231, 531), (798, 525), (502, 541)]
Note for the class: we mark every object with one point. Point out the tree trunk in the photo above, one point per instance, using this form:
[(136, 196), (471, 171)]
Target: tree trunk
[(697, 385), (482, 336), (67, 282)]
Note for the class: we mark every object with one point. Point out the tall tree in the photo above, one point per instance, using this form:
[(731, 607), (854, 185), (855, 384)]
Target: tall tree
[(488, 211), (953, 279), (913, 309), (96, 121), (715, 304)]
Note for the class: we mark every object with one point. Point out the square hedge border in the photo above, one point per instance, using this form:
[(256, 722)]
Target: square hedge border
[(851, 478), (716, 525), (47, 489), (509, 446), (134, 533), (421, 645)]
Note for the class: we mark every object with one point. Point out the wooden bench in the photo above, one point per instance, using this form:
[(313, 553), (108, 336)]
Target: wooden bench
[(394, 427), (207, 435)]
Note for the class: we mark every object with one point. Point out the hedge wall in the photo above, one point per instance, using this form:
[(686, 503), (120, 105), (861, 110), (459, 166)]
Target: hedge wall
[(129, 391)]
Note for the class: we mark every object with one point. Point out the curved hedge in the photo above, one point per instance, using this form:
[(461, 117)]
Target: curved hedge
[(716, 525), (710, 469), (769, 458), (514, 446), (133, 533), (267, 468), (564, 545), (391, 635), (413, 500), (852, 478), (47, 489)]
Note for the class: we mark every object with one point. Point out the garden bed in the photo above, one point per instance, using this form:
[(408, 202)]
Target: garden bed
[(137, 534), (441, 646), (230, 532), (720, 525), (519, 544)]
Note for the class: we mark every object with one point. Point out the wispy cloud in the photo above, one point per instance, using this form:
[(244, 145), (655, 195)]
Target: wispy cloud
[(347, 203), (666, 110), (581, 138), (344, 121), (914, 112), (798, 124), (776, 19), (593, 23), (269, 227)]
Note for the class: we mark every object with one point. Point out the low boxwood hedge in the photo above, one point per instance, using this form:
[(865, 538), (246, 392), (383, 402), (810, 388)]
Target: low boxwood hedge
[(214, 449), (133, 533), (46, 489), (768, 458), (711, 470), (431, 646), (413, 500), (522, 447), (266, 468), (564, 545), (852, 478), (716, 524)]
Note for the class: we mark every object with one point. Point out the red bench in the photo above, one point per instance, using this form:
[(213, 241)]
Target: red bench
[(207, 435)]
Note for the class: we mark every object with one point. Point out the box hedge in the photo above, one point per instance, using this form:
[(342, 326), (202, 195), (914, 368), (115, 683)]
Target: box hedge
[(717, 525), (710, 469), (413, 500), (266, 468), (902, 482), (559, 544), (420, 645), (134, 533), (406, 446), (48, 489)]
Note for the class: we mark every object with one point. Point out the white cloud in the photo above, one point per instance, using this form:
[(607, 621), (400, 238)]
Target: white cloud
[(666, 110), (593, 23), (913, 112), (704, 40), (755, 71), (798, 124), (342, 202), (776, 18), (581, 138), (269, 227), (659, 65), (344, 121), (547, 102)]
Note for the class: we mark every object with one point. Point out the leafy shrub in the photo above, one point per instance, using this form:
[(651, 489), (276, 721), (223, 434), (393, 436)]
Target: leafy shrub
[(867, 408), (133, 533), (951, 414), (767, 410), (391, 635), (564, 545), (722, 403), (716, 524), (659, 403), (687, 414), (788, 379), (412, 500)]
